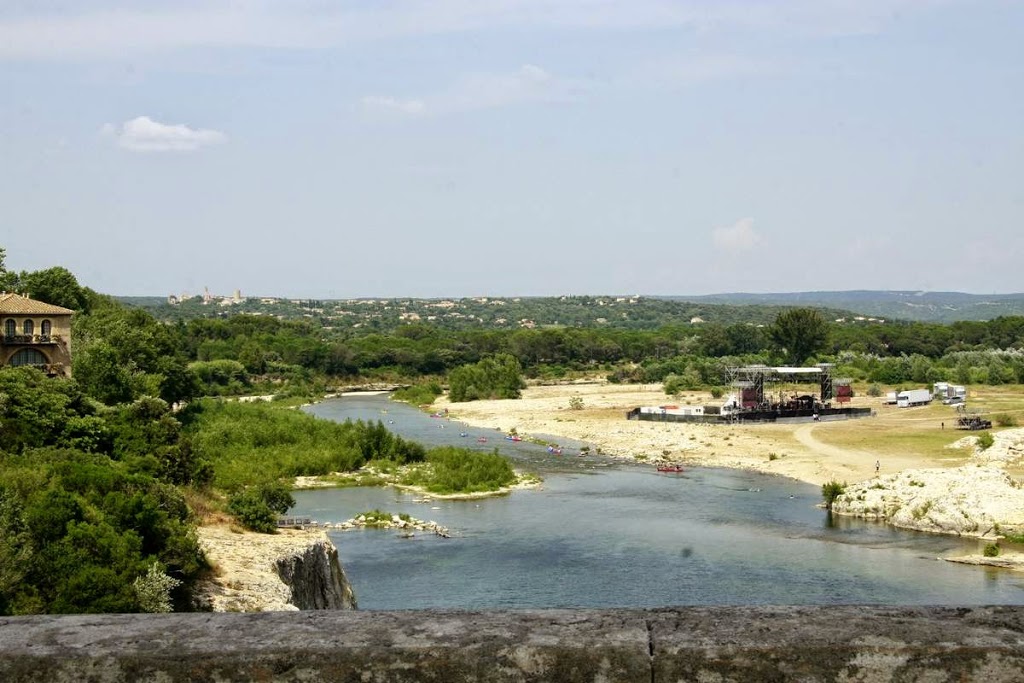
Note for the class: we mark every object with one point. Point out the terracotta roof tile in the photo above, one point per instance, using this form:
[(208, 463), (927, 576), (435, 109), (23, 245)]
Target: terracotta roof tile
[(14, 304)]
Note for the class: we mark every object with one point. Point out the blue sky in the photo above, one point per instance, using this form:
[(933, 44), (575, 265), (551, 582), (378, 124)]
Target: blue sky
[(314, 148)]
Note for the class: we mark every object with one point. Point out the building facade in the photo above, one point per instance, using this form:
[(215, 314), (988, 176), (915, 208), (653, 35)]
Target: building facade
[(35, 334)]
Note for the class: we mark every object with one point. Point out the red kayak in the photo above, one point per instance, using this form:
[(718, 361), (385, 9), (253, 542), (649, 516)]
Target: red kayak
[(670, 468)]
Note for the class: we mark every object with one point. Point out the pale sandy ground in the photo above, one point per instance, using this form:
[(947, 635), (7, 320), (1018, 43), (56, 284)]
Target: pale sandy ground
[(969, 494), (544, 410)]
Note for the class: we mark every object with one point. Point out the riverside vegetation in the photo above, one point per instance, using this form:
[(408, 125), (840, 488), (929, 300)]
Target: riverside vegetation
[(102, 482)]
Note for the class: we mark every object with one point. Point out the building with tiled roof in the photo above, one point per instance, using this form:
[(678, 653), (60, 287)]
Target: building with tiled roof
[(35, 333)]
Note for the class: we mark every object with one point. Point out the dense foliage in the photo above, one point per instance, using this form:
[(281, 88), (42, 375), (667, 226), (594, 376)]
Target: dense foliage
[(88, 501), (258, 507), (251, 444), (497, 377), (460, 470), (799, 334), (418, 394)]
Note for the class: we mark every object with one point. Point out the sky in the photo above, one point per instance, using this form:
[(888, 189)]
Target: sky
[(447, 148)]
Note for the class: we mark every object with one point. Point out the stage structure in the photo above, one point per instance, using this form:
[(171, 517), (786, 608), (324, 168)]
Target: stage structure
[(760, 395)]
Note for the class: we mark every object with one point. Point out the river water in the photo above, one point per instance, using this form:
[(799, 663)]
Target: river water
[(603, 534)]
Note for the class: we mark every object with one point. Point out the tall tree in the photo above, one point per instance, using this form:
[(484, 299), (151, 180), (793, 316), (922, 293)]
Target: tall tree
[(799, 333), (57, 286)]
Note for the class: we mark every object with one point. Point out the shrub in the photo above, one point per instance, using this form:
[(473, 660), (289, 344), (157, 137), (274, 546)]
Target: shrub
[(576, 403), (874, 391), (153, 589), (991, 550), (1004, 420), (499, 376), (985, 441), (831, 490), (257, 507), (380, 518), (418, 394), (716, 392), (460, 470)]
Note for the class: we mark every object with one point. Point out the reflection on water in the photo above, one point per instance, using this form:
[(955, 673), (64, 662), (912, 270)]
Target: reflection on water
[(631, 537)]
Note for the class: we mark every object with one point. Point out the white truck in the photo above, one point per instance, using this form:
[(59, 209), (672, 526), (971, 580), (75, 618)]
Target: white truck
[(913, 397)]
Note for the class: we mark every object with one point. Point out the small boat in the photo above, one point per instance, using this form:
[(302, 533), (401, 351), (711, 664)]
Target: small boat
[(514, 437), (463, 434), (554, 450), (481, 439), (670, 468)]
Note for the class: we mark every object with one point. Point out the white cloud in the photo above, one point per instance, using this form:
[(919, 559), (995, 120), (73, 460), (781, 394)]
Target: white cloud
[(143, 134), (529, 83), (738, 237)]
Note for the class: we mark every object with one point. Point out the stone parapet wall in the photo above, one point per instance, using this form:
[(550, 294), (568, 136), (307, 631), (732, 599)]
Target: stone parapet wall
[(681, 644)]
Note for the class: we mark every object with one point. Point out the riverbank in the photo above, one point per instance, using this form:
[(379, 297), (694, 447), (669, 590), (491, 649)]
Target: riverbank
[(601, 423), (957, 488)]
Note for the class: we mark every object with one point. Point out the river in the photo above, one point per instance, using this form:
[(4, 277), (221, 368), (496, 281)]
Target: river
[(600, 533)]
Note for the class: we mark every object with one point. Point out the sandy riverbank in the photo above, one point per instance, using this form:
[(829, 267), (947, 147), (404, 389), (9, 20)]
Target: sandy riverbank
[(789, 450), (933, 479)]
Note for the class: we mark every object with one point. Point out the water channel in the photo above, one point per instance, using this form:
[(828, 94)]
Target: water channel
[(600, 533)]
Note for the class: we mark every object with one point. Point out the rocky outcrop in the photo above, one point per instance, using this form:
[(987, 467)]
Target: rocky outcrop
[(973, 500), (316, 578), (291, 570)]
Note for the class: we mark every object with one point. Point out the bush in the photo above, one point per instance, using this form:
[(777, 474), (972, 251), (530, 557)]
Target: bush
[(1004, 420), (831, 490), (418, 394), (576, 403), (874, 391), (985, 441), (716, 392), (380, 518), (991, 550), (251, 443), (460, 470), (500, 376), (257, 507)]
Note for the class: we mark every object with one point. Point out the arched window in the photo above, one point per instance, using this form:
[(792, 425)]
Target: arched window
[(44, 329), (28, 327), (28, 357), (10, 328)]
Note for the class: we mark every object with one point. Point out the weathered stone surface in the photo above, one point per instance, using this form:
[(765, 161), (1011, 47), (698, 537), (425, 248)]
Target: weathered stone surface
[(971, 500), (318, 646), (290, 570), (839, 643), (316, 578), (715, 644)]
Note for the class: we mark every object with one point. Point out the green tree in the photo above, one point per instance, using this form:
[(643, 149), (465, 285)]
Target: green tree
[(499, 376), (257, 507), (57, 286), (799, 333), (8, 280)]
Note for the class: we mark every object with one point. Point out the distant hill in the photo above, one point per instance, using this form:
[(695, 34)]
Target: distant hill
[(942, 307)]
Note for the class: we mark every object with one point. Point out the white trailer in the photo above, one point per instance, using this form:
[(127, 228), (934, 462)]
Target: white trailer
[(950, 394), (913, 397)]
